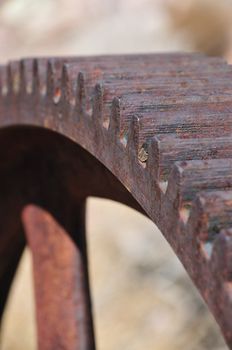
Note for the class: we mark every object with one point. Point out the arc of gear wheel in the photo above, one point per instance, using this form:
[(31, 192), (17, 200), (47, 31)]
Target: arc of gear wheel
[(162, 124)]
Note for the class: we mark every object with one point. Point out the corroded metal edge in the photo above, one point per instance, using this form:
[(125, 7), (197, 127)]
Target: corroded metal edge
[(66, 95)]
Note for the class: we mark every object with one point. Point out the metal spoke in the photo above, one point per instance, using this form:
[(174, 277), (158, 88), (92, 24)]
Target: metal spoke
[(63, 314)]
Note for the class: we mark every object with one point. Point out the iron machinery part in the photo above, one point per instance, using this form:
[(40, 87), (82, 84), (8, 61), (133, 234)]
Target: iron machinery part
[(150, 131)]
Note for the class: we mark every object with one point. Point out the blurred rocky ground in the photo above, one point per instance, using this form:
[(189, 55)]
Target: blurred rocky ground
[(142, 297)]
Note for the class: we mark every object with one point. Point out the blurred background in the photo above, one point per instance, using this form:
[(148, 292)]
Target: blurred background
[(142, 297)]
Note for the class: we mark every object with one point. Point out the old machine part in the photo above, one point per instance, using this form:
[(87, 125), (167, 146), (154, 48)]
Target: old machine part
[(151, 131)]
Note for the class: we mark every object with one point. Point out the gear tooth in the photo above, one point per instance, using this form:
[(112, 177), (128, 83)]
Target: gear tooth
[(114, 123), (4, 81), (40, 69), (65, 84), (22, 77), (132, 141), (10, 78), (210, 214), (187, 179), (36, 76), (170, 149), (80, 94), (50, 82), (26, 76), (68, 92), (149, 154), (13, 78), (97, 104), (221, 258)]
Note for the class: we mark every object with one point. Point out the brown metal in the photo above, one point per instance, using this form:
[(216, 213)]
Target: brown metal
[(60, 285), (151, 131)]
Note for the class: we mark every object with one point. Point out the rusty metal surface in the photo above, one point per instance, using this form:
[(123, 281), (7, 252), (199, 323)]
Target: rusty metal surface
[(155, 133), (60, 285)]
